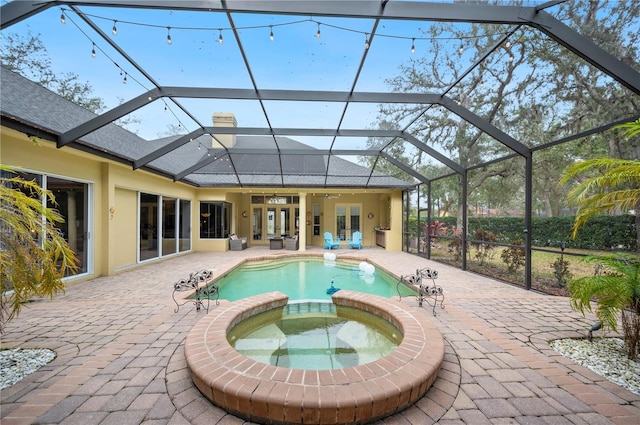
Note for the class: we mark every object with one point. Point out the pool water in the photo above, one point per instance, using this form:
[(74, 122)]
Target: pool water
[(314, 336), (305, 278)]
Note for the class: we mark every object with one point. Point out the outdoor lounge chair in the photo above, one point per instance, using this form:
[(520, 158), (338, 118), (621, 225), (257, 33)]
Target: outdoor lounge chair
[(236, 243), (330, 242), (292, 244), (356, 240)]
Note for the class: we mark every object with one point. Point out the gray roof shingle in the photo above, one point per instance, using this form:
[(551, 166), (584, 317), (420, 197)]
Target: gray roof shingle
[(28, 103)]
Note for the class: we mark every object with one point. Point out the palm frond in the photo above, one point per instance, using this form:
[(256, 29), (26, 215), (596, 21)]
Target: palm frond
[(613, 292), (631, 128)]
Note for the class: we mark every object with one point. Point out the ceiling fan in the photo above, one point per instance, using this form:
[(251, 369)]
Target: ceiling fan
[(330, 196)]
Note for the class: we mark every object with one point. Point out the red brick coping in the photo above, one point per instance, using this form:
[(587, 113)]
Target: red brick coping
[(263, 393)]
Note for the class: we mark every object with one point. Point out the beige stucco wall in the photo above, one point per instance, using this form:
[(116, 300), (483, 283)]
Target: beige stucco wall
[(18, 151), (115, 187), (124, 223), (114, 234)]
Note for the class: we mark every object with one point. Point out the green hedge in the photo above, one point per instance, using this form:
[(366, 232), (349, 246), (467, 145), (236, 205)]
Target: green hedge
[(599, 233)]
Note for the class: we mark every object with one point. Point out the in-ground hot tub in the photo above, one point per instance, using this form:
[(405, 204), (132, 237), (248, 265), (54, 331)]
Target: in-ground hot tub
[(264, 393), (314, 334)]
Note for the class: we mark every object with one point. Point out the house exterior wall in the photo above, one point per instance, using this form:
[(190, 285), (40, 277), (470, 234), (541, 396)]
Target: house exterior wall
[(126, 242), (114, 202), (20, 152)]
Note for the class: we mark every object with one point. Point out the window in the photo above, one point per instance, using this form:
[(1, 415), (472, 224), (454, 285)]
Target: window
[(168, 226), (184, 223), (72, 202), (148, 226), (316, 219), (165, 226), (215, 219)]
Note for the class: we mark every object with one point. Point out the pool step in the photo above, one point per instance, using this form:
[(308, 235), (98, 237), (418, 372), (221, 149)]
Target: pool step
[(309, 306)]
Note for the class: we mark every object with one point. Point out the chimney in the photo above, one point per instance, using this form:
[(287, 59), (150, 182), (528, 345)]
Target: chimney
[(223, 119)]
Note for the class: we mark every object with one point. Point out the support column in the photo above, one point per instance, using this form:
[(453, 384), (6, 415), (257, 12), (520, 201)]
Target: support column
[(302, 226), (429, 211), (528, 203), (463, 227)]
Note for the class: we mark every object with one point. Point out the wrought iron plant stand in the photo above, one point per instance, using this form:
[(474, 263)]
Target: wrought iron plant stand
[(424, 282), (200, 282)]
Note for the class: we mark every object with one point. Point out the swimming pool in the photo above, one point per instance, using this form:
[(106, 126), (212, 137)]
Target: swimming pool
[(303, 278)]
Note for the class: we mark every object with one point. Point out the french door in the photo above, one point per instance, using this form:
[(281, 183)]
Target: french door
[(278, 222), (347, 220)]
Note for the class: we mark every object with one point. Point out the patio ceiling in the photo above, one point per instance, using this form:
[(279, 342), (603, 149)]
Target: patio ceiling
[(193, 83)]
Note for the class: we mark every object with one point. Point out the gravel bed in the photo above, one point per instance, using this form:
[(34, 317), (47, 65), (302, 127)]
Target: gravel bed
[(17, 363), (604, 356)]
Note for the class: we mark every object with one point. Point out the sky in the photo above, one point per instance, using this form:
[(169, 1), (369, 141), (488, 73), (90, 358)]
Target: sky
[(296, 59)]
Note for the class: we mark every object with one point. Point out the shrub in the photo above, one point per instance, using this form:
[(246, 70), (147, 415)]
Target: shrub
[(514, 257), (561, 271), (484, 251)]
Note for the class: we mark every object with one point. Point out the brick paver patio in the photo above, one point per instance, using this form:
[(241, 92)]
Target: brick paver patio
[(120, 357)]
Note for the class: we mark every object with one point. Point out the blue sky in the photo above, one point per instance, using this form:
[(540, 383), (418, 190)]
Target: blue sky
[(295, 60)]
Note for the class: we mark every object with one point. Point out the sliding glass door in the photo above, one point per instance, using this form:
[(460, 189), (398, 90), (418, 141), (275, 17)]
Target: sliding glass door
[(72, 202)]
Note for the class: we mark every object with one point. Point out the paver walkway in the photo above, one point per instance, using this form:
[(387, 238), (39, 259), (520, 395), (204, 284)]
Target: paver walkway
[(120, 354)]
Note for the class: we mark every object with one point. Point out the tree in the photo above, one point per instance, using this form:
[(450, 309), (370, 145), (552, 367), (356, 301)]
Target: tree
[(613, 188), (588, 97), (27, 56), (34, 256), (493, 91), (606, 186), (531, 88)]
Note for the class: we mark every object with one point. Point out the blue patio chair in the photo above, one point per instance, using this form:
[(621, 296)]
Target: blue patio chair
[(330, 242), (355, 241)]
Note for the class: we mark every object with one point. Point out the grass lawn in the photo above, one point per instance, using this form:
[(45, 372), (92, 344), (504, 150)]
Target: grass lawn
[(543, 278)]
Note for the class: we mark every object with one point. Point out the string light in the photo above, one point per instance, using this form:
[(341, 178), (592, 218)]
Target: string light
[(271, 37), (317, 35)]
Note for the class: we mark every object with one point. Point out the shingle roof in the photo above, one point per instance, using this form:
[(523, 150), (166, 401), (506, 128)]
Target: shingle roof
[(25, 102)]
